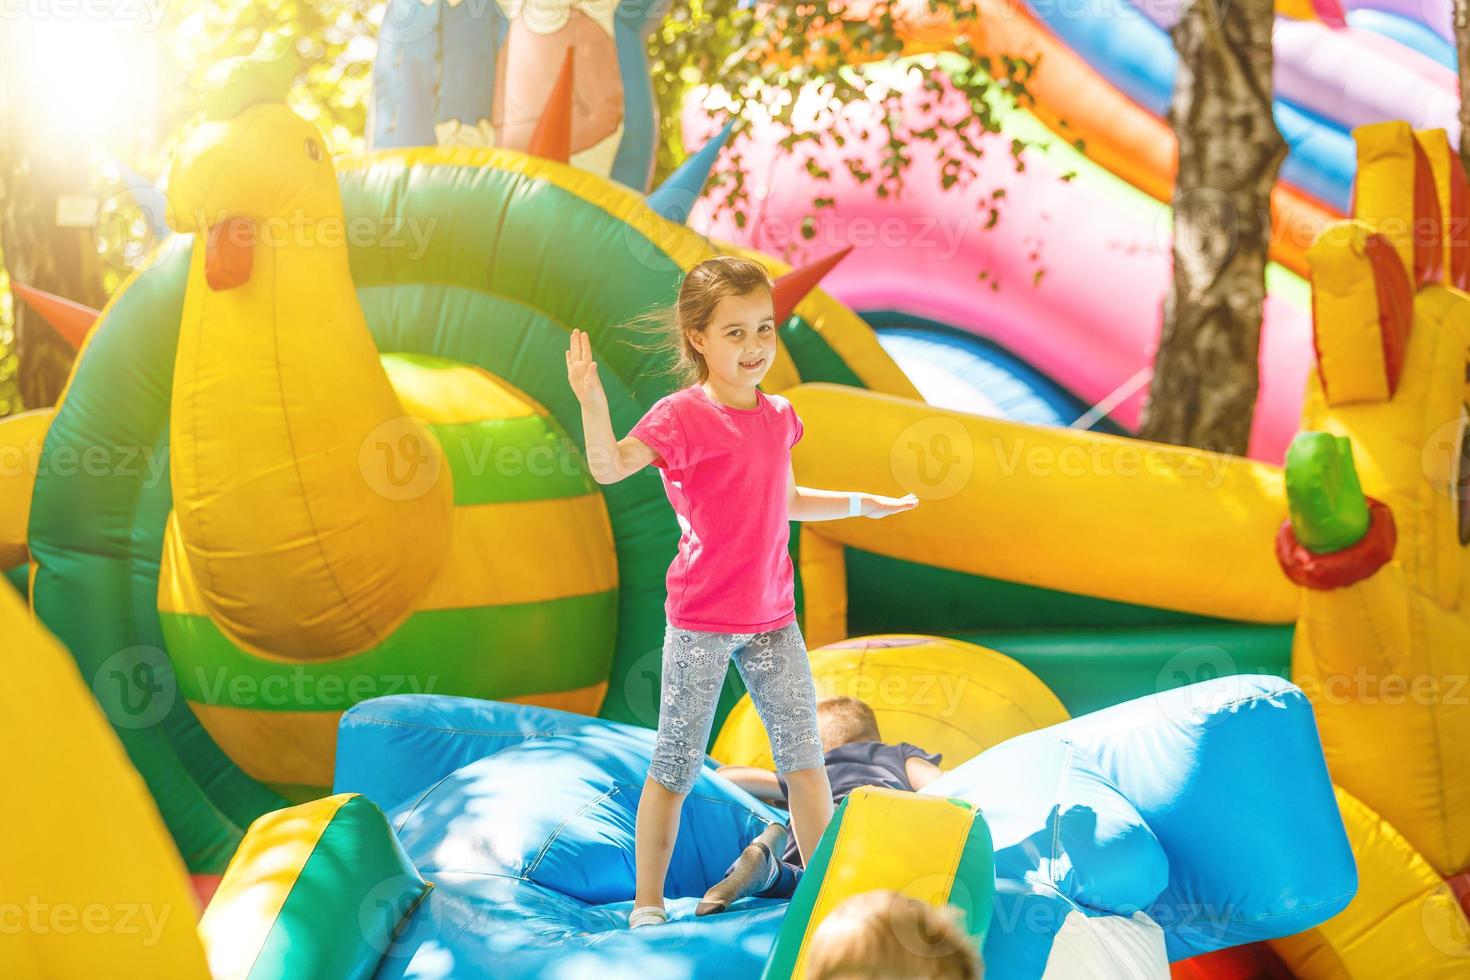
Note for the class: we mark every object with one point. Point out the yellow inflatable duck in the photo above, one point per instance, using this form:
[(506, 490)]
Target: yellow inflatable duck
[(280, 400), (336, 533)]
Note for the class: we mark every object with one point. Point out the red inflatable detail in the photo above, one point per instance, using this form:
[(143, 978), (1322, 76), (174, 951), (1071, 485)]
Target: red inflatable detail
[(552, 138), (71, 320), (1254, 961), (1335, 569), (1460, 886), (792, 288), (1395, 306), (229, 253), (1428, 248)]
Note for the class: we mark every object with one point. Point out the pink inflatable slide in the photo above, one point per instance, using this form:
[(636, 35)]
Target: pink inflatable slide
[(1081, 266)]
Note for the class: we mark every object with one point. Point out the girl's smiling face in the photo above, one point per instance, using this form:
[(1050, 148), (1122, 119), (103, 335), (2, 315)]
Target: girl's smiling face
[(739, 343)]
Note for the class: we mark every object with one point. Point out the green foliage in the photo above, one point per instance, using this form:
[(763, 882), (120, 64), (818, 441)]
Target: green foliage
[(335, 42), (9, 389), (766, 56)]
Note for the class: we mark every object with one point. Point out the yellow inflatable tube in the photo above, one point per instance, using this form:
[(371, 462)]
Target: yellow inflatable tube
[(947, 696), (21, 437), (92, 884), (1081, 512)]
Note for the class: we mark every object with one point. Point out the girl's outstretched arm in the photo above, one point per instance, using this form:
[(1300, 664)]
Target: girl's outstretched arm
[(806, 504), (608, 458)]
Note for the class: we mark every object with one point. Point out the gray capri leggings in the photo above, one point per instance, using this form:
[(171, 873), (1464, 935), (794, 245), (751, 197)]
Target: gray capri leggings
[(778, 675)]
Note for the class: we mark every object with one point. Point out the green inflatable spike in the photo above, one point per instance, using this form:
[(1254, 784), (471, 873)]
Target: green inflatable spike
[(1328, 509), (264, 75)]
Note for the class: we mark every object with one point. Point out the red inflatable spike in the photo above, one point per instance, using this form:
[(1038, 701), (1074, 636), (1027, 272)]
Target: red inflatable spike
[(1428, 249), (1460, 887), (552, 139), (71, 320), (792, 288), (1395, 304)]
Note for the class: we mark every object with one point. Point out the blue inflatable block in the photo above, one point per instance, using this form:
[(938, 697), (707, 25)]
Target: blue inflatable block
[(1229, 778), (523, 819), (1058, 822), (1206, 808), (560, 811), (1025, 919), (475, 928), (390, 749)]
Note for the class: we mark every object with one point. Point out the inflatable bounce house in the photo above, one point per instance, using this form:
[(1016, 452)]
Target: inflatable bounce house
[(339, 663), (1081, 249)]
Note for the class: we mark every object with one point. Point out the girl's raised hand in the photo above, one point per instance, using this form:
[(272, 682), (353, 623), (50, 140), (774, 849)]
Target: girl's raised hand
[(582, 372), (876, 506)]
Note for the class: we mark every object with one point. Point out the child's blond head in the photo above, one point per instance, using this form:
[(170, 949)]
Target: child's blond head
[(885, 935), (843, 720)]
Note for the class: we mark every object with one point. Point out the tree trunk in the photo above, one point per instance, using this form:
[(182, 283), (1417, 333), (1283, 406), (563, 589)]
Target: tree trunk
[(1206, 373), (1462, 48), (33, 174)]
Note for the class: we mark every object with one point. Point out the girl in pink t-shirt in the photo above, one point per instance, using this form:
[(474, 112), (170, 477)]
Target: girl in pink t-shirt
[(723, 450)]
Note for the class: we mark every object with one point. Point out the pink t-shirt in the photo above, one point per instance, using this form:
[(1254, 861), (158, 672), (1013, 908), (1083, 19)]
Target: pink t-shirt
[(725, 472)]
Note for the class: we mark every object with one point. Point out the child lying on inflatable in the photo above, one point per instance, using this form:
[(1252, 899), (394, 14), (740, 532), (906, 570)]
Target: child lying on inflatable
[(855, 755)]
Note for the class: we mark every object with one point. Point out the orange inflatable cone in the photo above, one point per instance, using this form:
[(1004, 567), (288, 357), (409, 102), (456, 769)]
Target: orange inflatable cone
[(552, 139), (792, 288), (71, 320)]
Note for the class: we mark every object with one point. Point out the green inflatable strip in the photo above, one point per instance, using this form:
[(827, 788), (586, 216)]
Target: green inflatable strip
[(502, 461), (781, 964), (892, 595), (512, 236), (298, 792), (814, 358), (1093, 669), (497, 460), (349, 897), (213, 670), (972, 889)]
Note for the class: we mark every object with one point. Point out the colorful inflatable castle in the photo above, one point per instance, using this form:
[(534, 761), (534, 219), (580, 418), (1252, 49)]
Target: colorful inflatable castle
[(1080, 253), (336, 621)]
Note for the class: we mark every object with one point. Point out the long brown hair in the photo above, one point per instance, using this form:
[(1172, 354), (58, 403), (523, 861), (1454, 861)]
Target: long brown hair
[(703, 288)]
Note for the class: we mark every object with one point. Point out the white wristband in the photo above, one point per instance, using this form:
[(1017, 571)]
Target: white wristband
[(854, 504)]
